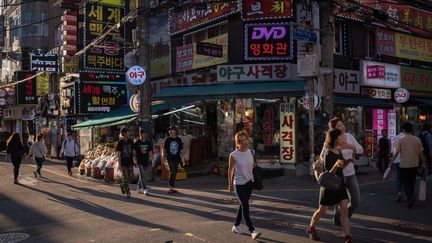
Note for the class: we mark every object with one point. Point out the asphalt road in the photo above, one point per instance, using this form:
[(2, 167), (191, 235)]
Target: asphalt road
[(59, 208)]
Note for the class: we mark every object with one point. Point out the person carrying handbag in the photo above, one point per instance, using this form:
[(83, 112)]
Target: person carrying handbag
[(39, 150), (240, 178), (333, 163)]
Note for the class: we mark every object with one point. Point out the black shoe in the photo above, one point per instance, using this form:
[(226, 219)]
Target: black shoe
[(70, 173), (35, 174), (15, 182), (122, 189)]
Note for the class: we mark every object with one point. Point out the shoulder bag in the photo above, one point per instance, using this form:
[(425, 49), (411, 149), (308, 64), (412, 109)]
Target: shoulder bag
[(329, 180), (257, 174)]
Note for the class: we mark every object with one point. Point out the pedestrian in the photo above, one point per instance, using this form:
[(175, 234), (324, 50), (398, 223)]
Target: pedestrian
[(349, 147), (15, 151), (410, 149), (426, 140), (143, 154), (39, 150), (240, 179), (383, 151), (69, 150), (124, 148), (334, 163), (396, 162), (173, 153)]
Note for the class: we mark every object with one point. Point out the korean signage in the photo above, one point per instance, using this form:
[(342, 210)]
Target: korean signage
[(377, 93), (385, 42), (380, 74), (27, 89), (7, 96), (42, 84), (391, 119), (401, 95), (369, 143), (136, 75), (188, 59), (346, 81), (266, 9), (108, 55), (98, 98), (268, 41), (95, 77), (43, 62), (268, 128), (379, 120), (288, 147), (193, 17), (416, 79), (254, 72), (160, 45)]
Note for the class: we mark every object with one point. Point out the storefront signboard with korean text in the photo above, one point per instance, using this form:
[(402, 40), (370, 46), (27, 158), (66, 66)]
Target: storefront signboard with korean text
[(254, 72), (379, 120), (268, 41), (108, 55), (26, 91), (266, 9), (385, 42), (288, 147), (44, 62), (187, 58), (191, 16), (391, 127), (96, 77), (346, 81), (380, 75), (416, 79), (377, 93), (100, 98)]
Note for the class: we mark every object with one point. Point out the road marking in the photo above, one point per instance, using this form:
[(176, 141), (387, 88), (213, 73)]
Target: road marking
[(155, 229), (195, 237), (28, 181)]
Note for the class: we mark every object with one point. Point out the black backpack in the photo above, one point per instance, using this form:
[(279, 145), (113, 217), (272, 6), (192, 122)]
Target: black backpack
[(422, 137)]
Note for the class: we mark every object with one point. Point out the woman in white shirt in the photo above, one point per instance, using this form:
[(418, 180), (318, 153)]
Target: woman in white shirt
[(349, 147), (240, 177)]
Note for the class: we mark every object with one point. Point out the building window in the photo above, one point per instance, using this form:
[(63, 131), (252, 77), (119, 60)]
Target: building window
[(40, 29), (338, 38), (370, 41)]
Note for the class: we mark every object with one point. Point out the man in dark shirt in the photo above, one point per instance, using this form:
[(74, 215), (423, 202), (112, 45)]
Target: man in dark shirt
[(125, 158), (143, 153), (383, 151), (173, 152)]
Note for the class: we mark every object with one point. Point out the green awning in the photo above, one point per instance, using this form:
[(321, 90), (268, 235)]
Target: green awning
[(220, 91), (363, 101), (118, 116), (424, 101)]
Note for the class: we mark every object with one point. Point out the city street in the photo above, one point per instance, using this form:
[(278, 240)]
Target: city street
[(59, 208)]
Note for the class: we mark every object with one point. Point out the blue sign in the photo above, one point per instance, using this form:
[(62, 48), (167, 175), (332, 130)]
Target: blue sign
[(304, 35)]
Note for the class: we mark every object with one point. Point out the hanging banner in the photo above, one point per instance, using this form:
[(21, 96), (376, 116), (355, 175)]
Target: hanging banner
[(193, 17), (42, 84), (416, 79), (288, 147), (266, 9), (392, 130), (379, 120)]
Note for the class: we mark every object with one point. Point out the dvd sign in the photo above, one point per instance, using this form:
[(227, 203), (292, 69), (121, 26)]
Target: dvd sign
[(401, 95)]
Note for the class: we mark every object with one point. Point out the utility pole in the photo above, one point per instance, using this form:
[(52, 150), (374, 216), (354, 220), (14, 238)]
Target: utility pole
[(327, 52), (143, 60)]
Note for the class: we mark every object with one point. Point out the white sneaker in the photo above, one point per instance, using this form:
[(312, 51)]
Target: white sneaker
[(140, 191), (237, 229), (255, 234), (339, 234), (146, 192)]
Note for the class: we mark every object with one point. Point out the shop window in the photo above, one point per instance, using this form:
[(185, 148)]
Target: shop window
[(225, 117), (338, 38), (266, 130), (352, 118), (244, 116)]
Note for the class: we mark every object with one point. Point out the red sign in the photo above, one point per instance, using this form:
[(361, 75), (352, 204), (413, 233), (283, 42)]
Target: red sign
[(184, 58), (266, 9), (385, 42), (192, 17)]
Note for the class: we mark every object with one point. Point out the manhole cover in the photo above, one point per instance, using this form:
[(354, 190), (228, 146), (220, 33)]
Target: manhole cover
[(13, 237)]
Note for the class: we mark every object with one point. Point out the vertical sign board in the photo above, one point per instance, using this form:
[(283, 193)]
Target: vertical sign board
[(288, 147), (268, 41), (108, 55), (391, 118), (379, 120), (27, 89)]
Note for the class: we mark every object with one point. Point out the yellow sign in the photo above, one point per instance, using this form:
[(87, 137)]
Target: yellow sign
[(70, 65), (42, 84), (411, 47), (111, 2), (205, 61), (288, 148)]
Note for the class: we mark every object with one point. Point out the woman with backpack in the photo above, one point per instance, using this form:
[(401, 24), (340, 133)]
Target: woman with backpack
[(39, 150), (333, 163), (15, 151)]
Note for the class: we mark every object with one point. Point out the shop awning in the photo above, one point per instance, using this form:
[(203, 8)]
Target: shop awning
[(118, 116), (424, 101), (364, 101), (231, 91)]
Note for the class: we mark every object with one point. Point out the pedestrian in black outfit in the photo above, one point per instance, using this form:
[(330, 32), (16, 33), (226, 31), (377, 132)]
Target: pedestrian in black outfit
[(124, 149), (15, 151), (383, 151), (173, 152)]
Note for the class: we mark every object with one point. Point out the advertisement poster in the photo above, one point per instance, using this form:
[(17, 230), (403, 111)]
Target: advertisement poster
[(266, 9), (381, 75), (416, 79), (108, 55), (379, 120), (160, 45), (26, 91), (288, 147), (268, 41), (42, 84)]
